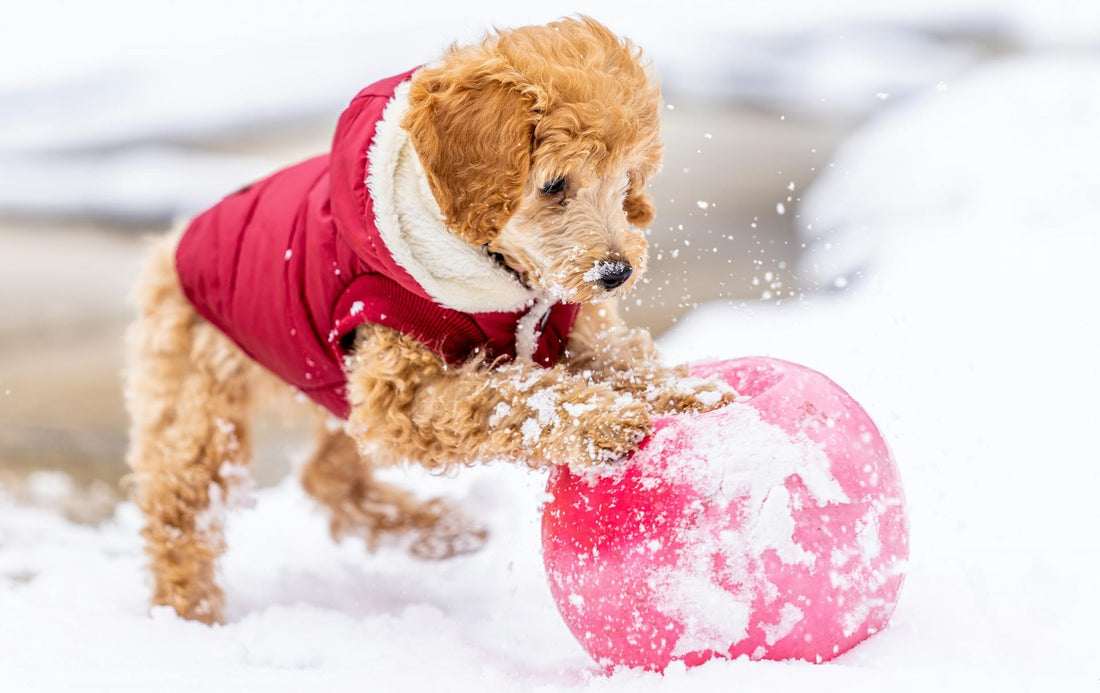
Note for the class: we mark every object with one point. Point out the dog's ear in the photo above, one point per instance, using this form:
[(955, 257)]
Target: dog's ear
[(472, 124), (638, 204)]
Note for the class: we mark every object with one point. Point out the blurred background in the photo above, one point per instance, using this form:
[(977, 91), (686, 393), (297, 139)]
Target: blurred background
[(119, 116)]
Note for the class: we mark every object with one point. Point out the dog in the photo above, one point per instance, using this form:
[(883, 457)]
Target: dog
[(440, 288)]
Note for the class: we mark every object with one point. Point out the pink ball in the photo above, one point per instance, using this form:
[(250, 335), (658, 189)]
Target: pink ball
[(774, 527)]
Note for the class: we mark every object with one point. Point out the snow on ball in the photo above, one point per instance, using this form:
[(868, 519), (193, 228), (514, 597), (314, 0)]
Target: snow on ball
[(774, 528)]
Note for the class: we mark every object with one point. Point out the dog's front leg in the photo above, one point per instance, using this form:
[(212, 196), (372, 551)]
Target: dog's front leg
[(601, 344), (407, 401)]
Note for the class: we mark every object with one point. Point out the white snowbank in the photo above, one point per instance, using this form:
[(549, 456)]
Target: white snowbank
[(1026, 156), (138, 184), (973, 345), (92, 84)]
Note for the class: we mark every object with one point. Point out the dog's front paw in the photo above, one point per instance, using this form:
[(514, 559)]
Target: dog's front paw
[(687, 394), (605, 432)]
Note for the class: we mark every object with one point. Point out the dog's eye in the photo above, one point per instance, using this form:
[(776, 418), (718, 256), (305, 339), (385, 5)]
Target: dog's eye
[(554, 187)]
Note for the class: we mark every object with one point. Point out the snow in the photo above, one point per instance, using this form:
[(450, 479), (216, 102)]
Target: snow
[(734, 459), (602, 268), (789, 616), (710, 614), (120, 111), (139, 182), (769, 457), (971, 337), (969, 147), (531, 431)]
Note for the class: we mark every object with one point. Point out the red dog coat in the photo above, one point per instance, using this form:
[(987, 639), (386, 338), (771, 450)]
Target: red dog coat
[(289, 266)]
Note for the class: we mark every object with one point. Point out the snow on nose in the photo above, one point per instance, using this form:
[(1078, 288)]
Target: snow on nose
[(610, 273)]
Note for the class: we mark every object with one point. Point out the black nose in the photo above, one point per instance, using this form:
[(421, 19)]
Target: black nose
[(615, 274)]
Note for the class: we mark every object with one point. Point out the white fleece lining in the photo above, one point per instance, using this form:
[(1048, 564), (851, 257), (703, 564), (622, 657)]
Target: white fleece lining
[(527, 329), (454, 273)]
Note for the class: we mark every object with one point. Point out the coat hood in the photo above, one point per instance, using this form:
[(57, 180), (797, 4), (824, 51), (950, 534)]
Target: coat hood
[(384, 210), (290, 266)]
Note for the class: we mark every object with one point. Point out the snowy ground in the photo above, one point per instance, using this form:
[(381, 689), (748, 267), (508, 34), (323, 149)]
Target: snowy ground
[(964, 324)]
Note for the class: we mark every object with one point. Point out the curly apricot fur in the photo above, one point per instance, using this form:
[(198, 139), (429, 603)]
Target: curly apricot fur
[(491, 123)]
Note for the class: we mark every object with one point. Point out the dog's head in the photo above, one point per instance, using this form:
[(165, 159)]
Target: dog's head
[(538, 143)]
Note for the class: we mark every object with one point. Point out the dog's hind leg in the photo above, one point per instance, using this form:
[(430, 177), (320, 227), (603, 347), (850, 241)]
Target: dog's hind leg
[(341, 479), (188, 394)]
